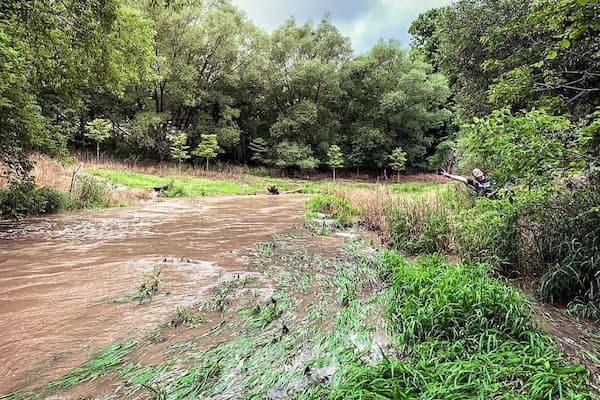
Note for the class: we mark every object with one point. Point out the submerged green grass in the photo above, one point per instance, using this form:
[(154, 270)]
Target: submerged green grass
[(375, 327)]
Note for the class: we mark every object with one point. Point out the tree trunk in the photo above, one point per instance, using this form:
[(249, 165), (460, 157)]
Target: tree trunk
[(334, 174), (207, 163), (398, 177), (97, 151)]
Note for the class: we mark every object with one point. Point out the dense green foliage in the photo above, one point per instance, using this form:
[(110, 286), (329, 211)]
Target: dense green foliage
[(151, 70), (461, 335), (22, 199), (525, 77)]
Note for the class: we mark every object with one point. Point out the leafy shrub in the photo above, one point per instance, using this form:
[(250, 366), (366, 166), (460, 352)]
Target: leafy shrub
[(22, 199), (531, 147), (55, 201), (19, 200), (420, 225), (90, 191)]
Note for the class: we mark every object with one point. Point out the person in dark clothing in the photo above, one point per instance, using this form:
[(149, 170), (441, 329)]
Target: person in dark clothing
[(481, 184)]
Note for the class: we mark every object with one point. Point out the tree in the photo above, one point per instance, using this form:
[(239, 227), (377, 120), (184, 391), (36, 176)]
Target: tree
[(301, 78), (335, 158), (259, 147), (98, 130), (179, 150), (289, 154), (391, 100), (208, 148), (398, 161)]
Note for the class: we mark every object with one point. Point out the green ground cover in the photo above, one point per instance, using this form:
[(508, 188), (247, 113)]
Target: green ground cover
[(188, 186)]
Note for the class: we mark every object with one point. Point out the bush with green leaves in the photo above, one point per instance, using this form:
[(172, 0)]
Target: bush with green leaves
[(23, 199), (531, 148)]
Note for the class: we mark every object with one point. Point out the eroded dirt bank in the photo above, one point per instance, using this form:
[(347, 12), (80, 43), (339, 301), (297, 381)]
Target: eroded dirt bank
[(65, 280)]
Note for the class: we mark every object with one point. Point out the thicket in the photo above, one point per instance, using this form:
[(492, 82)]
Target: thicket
[(525, 78), (459, 334)]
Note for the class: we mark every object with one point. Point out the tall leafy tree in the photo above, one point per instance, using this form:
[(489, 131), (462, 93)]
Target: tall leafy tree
[(201, 49), (393, 100), (60, 55), (301, 72)]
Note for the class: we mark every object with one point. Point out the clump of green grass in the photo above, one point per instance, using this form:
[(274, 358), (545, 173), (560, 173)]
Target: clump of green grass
[(149, 287), (460, 334), (420, 224), (336, 207), (105, 360), (90, 191), (266, 249), (221, 296), (186, 316)]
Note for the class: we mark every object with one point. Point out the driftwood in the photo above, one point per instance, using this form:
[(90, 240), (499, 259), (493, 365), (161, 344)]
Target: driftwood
[(75, 171), (161, 189), (275, 191)]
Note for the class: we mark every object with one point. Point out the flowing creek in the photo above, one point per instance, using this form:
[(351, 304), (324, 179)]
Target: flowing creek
[(63, 278)]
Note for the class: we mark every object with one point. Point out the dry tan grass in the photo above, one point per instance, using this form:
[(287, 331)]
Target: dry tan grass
[(238, 173), (51, 173), (372, 203)]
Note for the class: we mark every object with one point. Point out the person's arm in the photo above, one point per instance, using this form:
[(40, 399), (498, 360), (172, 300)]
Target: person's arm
[(455, 177)]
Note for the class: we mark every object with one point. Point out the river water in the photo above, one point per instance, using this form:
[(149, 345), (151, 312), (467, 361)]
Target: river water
[(65, 279)]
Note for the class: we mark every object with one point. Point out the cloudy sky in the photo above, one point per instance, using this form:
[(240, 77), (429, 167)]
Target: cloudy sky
[(364, 21)]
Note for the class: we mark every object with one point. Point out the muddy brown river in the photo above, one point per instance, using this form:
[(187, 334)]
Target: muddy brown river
[(65, 279)]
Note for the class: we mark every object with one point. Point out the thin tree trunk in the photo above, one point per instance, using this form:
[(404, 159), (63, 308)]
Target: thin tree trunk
[(398, 177), (334, 174), (97, 151), (207, 163)]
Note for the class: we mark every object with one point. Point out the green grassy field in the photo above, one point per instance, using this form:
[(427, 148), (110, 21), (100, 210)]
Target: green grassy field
[(187, 186)]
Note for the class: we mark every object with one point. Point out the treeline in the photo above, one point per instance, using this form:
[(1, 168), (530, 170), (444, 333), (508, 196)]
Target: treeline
[(160, 74)]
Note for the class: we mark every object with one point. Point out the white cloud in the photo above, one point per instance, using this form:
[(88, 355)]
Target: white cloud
[(365, 22)]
